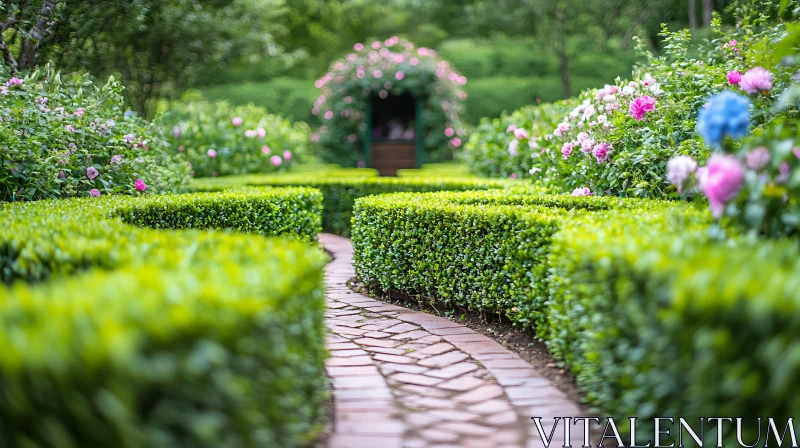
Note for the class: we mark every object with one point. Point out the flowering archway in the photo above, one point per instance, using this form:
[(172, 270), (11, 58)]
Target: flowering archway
[(367, 98)]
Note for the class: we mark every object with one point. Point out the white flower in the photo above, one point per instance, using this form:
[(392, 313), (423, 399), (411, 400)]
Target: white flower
[(513, 147), (678, 170)]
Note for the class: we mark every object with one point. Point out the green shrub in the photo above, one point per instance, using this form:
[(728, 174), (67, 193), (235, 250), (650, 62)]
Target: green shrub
[(293, 98), (653, 317), (220, 140), (66, 136), (340, 192), (115, 335)]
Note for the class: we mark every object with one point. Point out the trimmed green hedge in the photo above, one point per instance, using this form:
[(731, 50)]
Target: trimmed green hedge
[(116, 335), (340, 188), (653, 318)]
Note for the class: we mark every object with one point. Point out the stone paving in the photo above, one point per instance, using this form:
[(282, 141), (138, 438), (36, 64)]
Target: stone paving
[(406, 379)]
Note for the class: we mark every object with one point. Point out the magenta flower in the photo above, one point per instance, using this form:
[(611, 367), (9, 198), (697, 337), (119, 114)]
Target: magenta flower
[(758, 158), (358, 47), (566, 150), (140, 185), (91, 172), (720, 181), (642, 105), (399, 76), (679, 169), (276, 160), (732, 44), (600, 151), (265, 149), (287, 155), (513, 176), (329, 115), (757, 79), (449, 132), (456, 142), (581, 191), (14, 82), (94, 192), (212, 153), (176, 132), (236, 121), (734, 77)]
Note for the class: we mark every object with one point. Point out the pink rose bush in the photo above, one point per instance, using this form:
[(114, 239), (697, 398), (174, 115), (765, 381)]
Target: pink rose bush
[(78, 142), (220, 140), (381, 69)]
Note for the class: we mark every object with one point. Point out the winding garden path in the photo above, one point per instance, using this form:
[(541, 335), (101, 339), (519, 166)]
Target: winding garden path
[(406, 379)]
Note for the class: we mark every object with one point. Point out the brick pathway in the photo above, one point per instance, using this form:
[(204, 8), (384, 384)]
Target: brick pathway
[(405, 379)]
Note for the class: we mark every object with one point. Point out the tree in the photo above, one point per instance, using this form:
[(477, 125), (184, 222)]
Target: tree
[(708, 9), (26, 24)]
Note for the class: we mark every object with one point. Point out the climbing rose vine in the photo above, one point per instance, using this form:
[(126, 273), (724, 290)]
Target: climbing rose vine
[(383, 68)]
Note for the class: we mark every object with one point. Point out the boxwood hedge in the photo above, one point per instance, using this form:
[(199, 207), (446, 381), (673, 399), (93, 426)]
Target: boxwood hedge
[(653, 317), (342, 187), (117, 334)]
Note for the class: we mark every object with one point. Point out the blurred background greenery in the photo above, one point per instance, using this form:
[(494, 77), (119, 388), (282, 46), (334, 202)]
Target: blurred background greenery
[(269, 52)]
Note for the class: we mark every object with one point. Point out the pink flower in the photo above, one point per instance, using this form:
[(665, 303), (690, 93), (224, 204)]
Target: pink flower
[(678, 170), (720, 181), (329, 115), (642, 105), (287, 155), (276, 160), (520, 133), (14, 82), (376, 45), (176, 132), (758, 158), (261, 132), (212, 153), (79, 111), (456, 142), (250, 133), (581, 191), (561, 129), (91, 172), (128, 138), (796, 151), (377, 73), (566, 150), (237, 121), (582, 136), (140, 185), (69, 128), (399, 75), (600, 151), (116, 159), (732, 44), (449, 132), (387, 85), (734, 77), (511, 128), (265, 149), (94, 192), (783, 173), (513, 176), (513, 147), (358, 47), (587, 145), (757, 79), (348, 99), (383, 94), (414, 62)]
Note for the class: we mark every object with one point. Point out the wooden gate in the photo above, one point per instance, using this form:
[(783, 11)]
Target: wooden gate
[(387, 155)]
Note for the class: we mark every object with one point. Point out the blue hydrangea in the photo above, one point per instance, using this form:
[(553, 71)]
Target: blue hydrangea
[(725, 115)]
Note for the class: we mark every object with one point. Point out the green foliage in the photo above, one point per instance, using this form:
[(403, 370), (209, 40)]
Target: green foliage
[(490, 151), (208, 136), (55, 130), (292, 98), (653, 317), (341, 189), (115, 335)]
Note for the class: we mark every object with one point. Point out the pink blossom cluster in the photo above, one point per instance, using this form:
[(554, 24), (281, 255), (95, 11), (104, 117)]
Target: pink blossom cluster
[(755, 80), (382, 68)]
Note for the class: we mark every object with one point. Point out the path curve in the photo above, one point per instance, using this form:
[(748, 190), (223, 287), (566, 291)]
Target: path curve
[(406, 379)]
